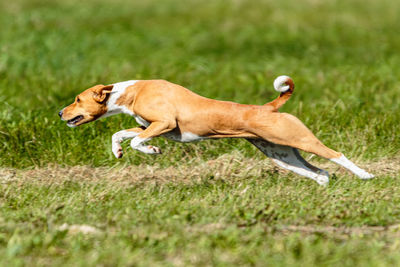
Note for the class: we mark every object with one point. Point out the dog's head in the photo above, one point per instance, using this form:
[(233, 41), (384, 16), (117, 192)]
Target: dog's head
[(88, 106)]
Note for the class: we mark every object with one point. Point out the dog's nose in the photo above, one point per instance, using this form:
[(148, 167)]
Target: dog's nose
[(60, 113)]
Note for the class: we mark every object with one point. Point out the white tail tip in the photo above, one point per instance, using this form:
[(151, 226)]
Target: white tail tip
[(281, 83)]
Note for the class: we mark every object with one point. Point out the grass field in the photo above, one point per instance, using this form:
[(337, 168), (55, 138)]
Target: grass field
[(214, 202)]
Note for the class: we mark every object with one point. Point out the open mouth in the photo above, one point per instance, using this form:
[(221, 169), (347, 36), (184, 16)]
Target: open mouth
[(74, 121)]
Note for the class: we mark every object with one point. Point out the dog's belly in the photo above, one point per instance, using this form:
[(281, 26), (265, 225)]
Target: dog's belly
[(182, 137), (141, 121)]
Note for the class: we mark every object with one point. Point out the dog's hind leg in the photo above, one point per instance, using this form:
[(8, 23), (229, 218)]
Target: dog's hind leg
[(290, 159), (287, 130), (343, 161)]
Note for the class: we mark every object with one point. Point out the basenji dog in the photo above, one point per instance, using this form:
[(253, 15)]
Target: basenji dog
[(165, 109)]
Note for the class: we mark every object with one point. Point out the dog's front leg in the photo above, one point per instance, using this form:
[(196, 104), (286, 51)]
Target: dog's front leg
[(120, 136), (154, 129)]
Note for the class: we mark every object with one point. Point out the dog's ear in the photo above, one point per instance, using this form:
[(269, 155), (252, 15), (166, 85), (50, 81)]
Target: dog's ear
[(100, 92)]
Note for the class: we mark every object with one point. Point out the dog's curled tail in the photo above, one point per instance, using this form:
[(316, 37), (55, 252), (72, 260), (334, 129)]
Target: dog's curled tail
[(285, 85)]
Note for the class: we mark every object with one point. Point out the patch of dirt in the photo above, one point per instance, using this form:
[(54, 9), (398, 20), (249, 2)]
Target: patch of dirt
[(341, 232), (79, 228), (228, 166), (362, 230)]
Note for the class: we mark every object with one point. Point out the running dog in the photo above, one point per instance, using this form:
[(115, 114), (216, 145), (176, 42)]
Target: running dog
[(165, 109)]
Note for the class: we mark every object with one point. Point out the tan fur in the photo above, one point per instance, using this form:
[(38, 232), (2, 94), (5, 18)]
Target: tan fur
[(91, 104), (167, 107)]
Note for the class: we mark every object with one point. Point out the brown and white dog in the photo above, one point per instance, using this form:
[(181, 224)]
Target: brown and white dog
[(166, 109)]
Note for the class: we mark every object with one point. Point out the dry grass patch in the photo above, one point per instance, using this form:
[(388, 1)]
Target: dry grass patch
[(229, 166)]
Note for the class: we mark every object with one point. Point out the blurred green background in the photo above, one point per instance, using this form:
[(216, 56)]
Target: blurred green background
[(342, 55)]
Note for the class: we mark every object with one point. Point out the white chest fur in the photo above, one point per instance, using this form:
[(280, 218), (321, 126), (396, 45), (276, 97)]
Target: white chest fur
[(113, 108), (118, 90)]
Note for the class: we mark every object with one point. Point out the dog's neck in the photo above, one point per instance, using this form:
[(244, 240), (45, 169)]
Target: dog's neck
[(112, 107)]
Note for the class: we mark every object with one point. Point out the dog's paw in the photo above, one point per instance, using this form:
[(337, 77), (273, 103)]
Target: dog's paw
[(117, 151), (119, 154), (322, 180), (365, 175), (154, 150)]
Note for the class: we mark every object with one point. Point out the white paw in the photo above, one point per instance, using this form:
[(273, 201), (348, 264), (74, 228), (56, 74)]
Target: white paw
[(153, 150), (322, 180), (365, 175), (117, 150)]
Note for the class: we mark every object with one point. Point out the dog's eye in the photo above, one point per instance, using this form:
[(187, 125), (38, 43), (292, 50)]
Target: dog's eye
[(78, 100)]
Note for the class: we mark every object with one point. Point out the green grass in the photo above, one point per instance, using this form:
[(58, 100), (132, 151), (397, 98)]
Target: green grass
[(211, 221), (343, 57)]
